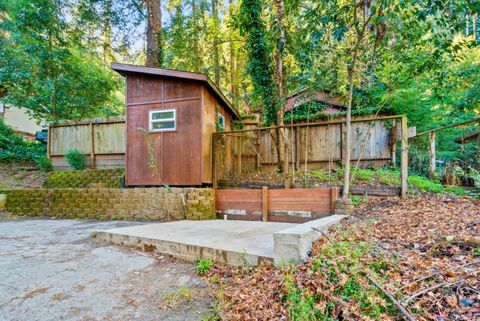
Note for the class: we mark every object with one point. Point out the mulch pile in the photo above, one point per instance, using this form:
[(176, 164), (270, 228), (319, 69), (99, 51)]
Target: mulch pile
[(431, 246)]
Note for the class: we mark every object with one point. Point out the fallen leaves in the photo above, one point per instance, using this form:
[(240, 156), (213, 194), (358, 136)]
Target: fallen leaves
[(426, 250)]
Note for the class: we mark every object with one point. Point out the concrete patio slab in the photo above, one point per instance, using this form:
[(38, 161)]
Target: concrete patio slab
[(229, 242), (293, 244)]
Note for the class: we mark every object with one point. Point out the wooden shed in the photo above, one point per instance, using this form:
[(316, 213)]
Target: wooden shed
[(170, 118)]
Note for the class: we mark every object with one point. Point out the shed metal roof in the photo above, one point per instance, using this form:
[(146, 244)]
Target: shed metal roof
[(124, 69)]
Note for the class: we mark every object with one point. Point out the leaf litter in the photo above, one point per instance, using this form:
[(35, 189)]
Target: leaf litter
[(423, 251)]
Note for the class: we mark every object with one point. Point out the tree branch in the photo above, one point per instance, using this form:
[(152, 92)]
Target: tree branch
[(397, 304)]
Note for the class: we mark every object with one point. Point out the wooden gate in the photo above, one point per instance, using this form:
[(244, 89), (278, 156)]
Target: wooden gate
[(276, 205)]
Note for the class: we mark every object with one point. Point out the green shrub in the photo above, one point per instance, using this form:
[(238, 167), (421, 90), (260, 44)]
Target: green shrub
[(388, 177), (456, 190), (76, 159), (320, 174), (363, 174), (425, 185), (357, 200), (14, 148), (44, 163), (203, 265)]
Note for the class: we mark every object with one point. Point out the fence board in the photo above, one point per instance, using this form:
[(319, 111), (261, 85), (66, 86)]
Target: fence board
[(109, 138), (108, 141), (64, 139), (314, 146), (317, 201), (285, 205)]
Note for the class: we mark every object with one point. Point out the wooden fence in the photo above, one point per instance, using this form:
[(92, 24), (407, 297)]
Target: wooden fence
[(311, 146), (101, 140), (276, 205)]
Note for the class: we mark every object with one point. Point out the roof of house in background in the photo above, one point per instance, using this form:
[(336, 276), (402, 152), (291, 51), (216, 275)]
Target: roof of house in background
[(468, 136), (124, 69), (334, 103)]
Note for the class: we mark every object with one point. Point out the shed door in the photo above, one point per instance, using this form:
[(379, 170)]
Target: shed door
[(166, 157)]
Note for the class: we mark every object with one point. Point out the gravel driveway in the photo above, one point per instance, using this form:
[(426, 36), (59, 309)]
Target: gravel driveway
[(53, 270)]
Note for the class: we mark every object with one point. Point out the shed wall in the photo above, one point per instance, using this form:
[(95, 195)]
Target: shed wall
[(159, 158), (211, 106)]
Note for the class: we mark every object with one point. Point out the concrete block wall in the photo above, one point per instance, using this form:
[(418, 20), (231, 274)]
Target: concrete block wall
[(200, 204), (21, 201), (106, 178), (156, 204)]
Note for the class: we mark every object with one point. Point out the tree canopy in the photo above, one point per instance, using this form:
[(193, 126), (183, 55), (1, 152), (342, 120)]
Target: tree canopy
[(419, 58), (46, 69)]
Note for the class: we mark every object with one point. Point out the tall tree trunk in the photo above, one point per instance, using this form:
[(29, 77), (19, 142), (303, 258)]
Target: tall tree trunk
[(233, 61), (360, 32), (348, 125), (216, 55), (53, 77), (474, 24), (107, 28), (196, 34), (282, 166), (154, 33)]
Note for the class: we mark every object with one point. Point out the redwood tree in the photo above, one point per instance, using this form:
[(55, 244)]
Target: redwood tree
[(154, 33)]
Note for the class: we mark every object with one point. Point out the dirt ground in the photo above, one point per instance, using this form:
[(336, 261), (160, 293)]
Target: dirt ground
[(16, 175), (53, 270)]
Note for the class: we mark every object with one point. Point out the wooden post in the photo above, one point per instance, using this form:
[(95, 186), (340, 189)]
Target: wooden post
[(431, 154), (394, 142), (92, 146), (258, 144), (342, 144), (295, 165), (214, 162), (49, 142), (265, 203), (298, 154), (404, 163), (334, 197), (239, 156)]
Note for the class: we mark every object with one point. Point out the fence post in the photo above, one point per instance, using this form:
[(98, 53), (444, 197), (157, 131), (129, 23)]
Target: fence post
[(334, 191), (258, 146), (394, 142), (49, 142), (92, 146), (342, 144), (431, 154), (239, 156), (265, 203), (404, 164), (214, 162)]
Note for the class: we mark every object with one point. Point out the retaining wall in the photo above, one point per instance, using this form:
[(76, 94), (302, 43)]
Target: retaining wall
[(157, 204), (99, 178)]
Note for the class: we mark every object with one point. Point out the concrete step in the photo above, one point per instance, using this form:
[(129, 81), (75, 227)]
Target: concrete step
[(229, 242), (294, 243)]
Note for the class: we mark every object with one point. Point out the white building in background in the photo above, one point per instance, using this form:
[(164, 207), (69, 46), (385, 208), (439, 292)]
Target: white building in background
[(19, 119)]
